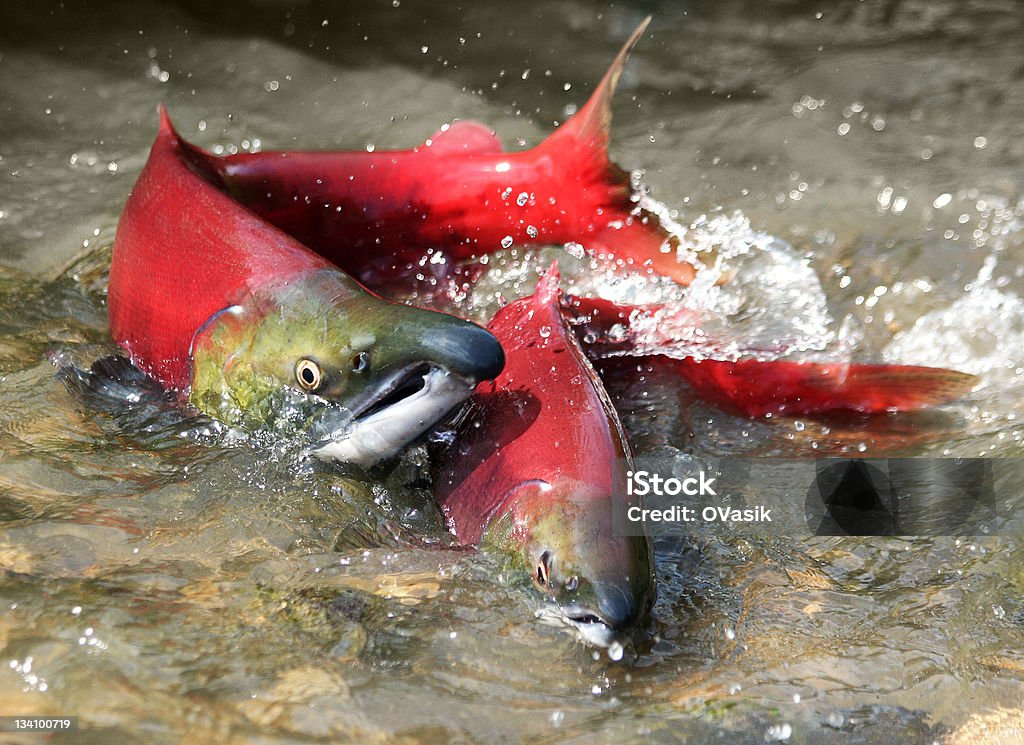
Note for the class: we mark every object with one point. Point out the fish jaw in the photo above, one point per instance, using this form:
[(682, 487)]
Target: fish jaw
[(383, 433), (384, 373)]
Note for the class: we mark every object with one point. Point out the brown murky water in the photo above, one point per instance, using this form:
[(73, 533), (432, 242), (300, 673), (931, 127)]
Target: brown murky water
[(167, 583)]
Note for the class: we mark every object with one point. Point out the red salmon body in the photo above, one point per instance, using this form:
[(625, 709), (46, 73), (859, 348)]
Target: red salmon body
[(546, 417), (373, 213)]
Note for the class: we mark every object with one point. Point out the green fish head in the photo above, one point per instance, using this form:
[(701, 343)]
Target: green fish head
[(598, 581), (362, 377)]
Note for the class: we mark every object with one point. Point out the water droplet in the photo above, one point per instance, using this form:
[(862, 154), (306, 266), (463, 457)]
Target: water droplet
[(531, 231), (835, 720), (506, 242), (575, 250), (615, 651), (778, 732), (522, 199), (545, 332)]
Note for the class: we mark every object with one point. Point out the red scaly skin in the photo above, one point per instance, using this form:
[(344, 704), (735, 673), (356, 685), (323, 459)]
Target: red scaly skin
[(548, 400), (246, 217)]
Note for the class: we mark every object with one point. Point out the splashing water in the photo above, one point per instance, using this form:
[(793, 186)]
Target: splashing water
[(753, 296), (981, 332)]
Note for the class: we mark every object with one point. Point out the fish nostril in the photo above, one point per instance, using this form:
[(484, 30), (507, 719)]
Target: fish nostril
[(360, 362)]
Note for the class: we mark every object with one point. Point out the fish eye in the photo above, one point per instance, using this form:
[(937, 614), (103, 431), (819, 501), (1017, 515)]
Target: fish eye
[(543, 575), (360, 362), (308, 374)]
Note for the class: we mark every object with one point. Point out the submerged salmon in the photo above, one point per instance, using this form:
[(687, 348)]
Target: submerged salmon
[(227, 310), (755, 387), (536, 470)]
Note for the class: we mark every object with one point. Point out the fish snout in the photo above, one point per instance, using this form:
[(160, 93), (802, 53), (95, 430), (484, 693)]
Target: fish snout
[(466, 350), (617, 606), (601, 609)]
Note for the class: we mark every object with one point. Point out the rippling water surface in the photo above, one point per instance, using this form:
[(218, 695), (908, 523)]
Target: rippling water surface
[(857, 167)]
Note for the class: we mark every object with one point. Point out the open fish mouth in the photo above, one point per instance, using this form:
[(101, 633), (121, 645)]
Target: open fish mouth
[(397, 412), (590, 628)]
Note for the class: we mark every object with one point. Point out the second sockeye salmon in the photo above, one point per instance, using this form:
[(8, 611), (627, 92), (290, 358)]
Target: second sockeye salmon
[(537, 469)]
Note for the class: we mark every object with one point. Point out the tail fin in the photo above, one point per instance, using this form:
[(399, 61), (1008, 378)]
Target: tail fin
[(637, 242), (784, 387)]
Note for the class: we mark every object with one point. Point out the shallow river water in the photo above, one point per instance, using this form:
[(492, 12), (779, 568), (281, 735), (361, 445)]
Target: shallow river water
[(858, 166)]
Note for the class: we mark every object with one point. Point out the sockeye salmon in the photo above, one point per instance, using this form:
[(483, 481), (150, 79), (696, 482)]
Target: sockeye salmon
[(248, 324), (372, 213), (536, 467)]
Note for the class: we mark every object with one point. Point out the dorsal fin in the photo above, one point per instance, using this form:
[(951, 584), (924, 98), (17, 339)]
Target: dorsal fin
[(464, 138), (166, 127), (546, 290), (590, 125)]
